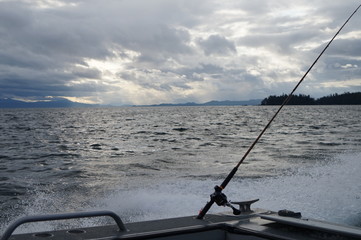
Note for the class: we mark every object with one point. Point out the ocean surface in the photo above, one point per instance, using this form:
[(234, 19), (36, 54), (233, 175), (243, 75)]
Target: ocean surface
[(158, 162)]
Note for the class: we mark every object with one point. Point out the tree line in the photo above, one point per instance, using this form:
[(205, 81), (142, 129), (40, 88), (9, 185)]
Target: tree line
[(302, 99)]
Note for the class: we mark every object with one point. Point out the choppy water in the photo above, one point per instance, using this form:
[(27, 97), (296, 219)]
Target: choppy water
[(149, 163)]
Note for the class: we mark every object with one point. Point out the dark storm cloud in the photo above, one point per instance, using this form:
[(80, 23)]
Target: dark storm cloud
[(216, 44), (53, 40), (203, 68), (166, 41), (346, 48), (51, 33), (39, 49), (15, 86)]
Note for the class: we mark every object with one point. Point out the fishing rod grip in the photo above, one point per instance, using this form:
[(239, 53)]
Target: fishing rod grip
[(205, 209)]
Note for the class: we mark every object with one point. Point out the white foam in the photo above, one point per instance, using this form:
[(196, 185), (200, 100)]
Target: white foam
[(327, 191)]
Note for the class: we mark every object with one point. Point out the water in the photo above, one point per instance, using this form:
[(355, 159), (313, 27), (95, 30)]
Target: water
[(151, 163)]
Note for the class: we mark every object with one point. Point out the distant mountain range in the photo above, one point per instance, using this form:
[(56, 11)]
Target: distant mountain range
[(57, 103), (340, 99), (64, 103), (211, 103)]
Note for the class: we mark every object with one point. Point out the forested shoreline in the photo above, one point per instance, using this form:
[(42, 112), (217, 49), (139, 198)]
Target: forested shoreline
[(302, 99)]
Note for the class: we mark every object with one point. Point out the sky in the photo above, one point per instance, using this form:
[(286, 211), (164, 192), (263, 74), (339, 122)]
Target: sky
[(124, 52)]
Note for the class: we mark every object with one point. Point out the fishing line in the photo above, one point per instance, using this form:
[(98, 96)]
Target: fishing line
[(218, 196)]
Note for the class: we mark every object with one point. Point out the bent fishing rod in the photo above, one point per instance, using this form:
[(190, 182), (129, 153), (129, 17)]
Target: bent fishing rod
[(218, 197)]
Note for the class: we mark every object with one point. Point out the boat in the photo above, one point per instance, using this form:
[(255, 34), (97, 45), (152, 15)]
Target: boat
[(252, 224), (242, 222)]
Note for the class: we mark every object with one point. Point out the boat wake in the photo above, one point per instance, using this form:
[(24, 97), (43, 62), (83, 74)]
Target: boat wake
[(330, 191)]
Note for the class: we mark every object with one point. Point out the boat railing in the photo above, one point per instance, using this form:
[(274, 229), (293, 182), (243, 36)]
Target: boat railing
[(62, 216)]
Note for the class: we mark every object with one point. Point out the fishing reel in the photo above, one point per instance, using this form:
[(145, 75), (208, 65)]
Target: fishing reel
[(221, 200)]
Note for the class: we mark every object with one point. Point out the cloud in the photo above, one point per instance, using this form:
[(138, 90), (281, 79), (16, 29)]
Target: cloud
[(217, 45), (168, 51)]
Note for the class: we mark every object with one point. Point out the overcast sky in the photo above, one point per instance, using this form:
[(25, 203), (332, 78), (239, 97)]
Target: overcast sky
[(172, 51)]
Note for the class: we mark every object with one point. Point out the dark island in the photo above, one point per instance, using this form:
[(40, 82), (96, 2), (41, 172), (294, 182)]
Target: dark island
[(301, 99)]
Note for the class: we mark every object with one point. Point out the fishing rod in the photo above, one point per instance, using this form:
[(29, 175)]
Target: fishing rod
[(218, 197)]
